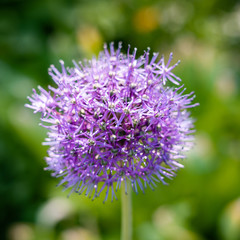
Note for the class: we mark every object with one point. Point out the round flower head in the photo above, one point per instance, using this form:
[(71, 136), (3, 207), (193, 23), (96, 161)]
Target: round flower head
[(113, 119)]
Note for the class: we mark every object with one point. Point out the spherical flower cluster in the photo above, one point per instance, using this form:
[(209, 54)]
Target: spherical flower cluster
[(112, 120)]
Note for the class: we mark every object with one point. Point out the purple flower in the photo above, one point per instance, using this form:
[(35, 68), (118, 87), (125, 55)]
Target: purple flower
[(113, 118)]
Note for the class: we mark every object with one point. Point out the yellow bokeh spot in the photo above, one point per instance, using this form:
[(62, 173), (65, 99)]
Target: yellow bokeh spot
[(89, 39), (146, 19)]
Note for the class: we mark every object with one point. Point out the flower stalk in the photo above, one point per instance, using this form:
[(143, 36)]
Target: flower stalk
[(126, 195)]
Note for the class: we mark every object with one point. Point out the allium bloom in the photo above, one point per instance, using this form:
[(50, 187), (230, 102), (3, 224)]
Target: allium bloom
[(113, 118)]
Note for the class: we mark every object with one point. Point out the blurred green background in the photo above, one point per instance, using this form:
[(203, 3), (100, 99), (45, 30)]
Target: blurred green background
[(203, 201)]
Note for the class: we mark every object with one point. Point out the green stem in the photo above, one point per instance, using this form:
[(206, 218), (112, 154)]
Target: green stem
[(126, 233)]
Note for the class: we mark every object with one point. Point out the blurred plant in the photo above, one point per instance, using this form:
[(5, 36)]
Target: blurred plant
[(229, 224)]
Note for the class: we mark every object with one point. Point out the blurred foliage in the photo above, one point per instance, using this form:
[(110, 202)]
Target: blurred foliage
[(203, 201)]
